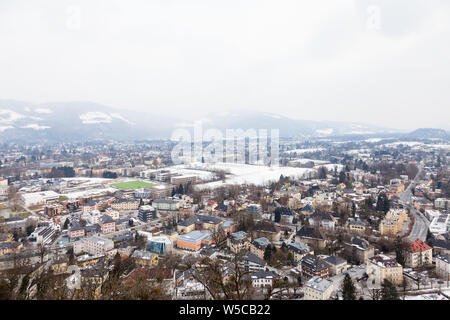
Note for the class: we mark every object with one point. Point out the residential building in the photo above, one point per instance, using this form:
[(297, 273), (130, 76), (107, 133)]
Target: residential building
[(358, 250), (53, 209), (442, 203), (76, 230), (262, 279), (443, 266), (336, 264), (390, 227), (299, 250), (356, 226), (125, 204), (146, 213), (258, 246), (10, 247), (107, 224), (145, 258), (166, 204), (318, 288), (313, 266), (93, 245), (311, 236), (323, 220), (251, 262), (198, 222), (382, 267), (238, 241), (419, 254)]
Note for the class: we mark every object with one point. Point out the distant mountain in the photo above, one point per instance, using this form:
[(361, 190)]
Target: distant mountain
[(88, 121), (289, 127), (76, 121), (428, 133)]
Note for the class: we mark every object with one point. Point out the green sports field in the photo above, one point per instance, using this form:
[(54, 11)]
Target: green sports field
[(133, 185)]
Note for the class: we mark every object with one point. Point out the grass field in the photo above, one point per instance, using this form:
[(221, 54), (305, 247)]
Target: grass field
[(133, 185)]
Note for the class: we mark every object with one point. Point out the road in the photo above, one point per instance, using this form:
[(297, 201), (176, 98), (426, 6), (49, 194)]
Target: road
[(420, 227)]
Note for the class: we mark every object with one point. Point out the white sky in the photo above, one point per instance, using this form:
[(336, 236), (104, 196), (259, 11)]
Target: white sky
[(321, 60)]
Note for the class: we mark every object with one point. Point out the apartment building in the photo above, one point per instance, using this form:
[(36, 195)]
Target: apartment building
[(358, 250), (313, 266), (125, 204), (443, 266), (107, 224), (299, 250), (318, 288), (382, 267), (390, 227), (258, 246), (419, 254), (238, 241), (93, 245)]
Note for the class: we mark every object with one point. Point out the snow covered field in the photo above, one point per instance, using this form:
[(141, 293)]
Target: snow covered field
[(299, 151), (249, 174), (305, 160), (197, 169)]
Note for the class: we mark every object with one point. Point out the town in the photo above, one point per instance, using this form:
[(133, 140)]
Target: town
[(337, 219)]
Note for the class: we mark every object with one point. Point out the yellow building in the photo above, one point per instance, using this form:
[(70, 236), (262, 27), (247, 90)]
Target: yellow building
[(204, 222), (145, 258), (397, 214), (382, 267), (390, 227), (357, 226)]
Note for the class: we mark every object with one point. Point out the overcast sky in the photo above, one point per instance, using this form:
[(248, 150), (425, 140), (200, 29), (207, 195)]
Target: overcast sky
[(385, 62)]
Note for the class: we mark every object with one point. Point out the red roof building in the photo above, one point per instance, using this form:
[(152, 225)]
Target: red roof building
[(419, 246)]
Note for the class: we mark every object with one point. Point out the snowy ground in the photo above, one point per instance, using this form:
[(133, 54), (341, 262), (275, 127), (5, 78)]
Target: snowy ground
[(406, 143), (429, 296), (198, 169), (305, 160), (250, 174), (299, 151), (91, 192)]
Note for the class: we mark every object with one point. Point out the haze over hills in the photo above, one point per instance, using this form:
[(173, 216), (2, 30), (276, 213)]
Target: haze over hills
[(429, 133), (87, 121)]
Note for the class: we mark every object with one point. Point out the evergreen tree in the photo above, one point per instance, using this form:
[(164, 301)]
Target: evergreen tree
[(66, 224), (173, 192), (268, 253), (348, 288), (400, 252), (277, 215), (388, 291), (382, 203)]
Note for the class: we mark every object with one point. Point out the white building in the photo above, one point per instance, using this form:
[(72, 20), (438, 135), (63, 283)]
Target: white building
[(114, 214), (440, 224), (44, 234), (166, 204), (443, 266), (318, 289), (38, 198), (93, 245), (442, 203), (92, 217), (431, 214), (262, 279)]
